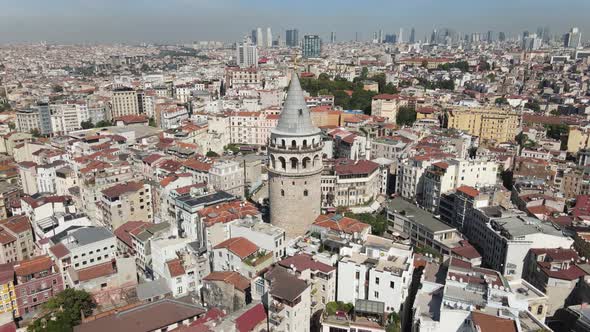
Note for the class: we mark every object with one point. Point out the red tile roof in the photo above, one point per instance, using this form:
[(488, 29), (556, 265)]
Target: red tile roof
[(175, 268), (97, 271), (228, 211), (132, 118), (348, 166), (123, 231), (340, 223), (239, 246), (33, 265), (59, 250), (469, 191), (302, 262), (251, 318), (488, 323), (231, 277), (122, 188), (17, 224)]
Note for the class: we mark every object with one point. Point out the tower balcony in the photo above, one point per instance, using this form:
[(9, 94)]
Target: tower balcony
[(301, 148)]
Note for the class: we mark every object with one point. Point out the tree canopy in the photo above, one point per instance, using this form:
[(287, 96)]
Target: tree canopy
[(64, 311), (406, 116)]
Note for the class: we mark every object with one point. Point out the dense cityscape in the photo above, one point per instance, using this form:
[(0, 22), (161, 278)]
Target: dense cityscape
[(294, 181)]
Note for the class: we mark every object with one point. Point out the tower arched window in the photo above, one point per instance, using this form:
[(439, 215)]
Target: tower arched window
[(305, 193), (305, 162), (316, 159), (540, 309), (283, 163), (273, 162), (293, 144), (294, 163), (304, 143), (283, 143), (282, 192)]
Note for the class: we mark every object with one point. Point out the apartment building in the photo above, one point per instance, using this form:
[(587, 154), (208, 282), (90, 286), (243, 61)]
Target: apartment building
[(387, 106), (505, 236), (85, 247), (442, 177), (347, 182), (125, 201), (228, 176), (289, 300), (379, 270), (67, 117), (16, 238), (266, 236), (493, 125), (421, 227), (124, 101), (37, 280), (321, 277)]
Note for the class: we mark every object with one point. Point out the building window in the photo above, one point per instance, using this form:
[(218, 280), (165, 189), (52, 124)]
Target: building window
[(376, 295), (358, 275), (377, 281), (391, 284), (282, 192), (305, 192), (540, 310)]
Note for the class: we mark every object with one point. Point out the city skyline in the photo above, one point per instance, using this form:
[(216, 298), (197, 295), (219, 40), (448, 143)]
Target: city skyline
[(229, 20)]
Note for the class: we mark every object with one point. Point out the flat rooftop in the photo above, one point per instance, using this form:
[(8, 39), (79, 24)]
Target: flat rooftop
[(410, 211)]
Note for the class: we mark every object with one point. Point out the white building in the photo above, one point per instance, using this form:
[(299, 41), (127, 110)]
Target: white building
[(443, 177), (380, 270), (264, 235), (246, 55), (228, 176)]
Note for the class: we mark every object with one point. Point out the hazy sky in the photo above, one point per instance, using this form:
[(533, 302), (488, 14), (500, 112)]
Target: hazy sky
[(228, 20)]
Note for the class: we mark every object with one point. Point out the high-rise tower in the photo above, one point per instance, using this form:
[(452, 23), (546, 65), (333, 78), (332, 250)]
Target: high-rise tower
[(295, 166), (268, 38)]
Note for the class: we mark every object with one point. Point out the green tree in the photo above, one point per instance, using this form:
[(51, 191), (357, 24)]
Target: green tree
[(533, 105), (378, 222), (406, 116), (390, 88), (324, 77), (152, 122), (212, 154), (332, 307), (86, 124), (501, 101), (103, 123), (64, 311), (393, 322), (364, 73), (507, 179), (35, 132)]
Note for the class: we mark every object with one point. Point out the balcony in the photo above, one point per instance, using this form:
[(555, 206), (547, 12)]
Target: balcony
[(275, 319), (276, 307)]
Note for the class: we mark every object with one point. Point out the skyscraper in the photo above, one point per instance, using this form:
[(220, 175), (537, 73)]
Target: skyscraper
[(253, 37), (259, 38), (490, 36), (332, 37), (400, 36), (312, 46), (573, 39), (502, 36), (268, 38), (246, 55), (295, 167), (292, 37), (412, 36), (380, 37), (433, 37)]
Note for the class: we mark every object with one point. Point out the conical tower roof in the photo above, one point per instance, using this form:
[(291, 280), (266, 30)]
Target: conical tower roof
[(295, 117)]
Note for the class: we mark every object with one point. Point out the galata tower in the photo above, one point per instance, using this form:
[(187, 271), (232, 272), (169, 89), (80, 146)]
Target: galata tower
[(295, 166)]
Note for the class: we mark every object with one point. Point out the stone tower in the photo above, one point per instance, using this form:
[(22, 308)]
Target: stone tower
[(295, 166)]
